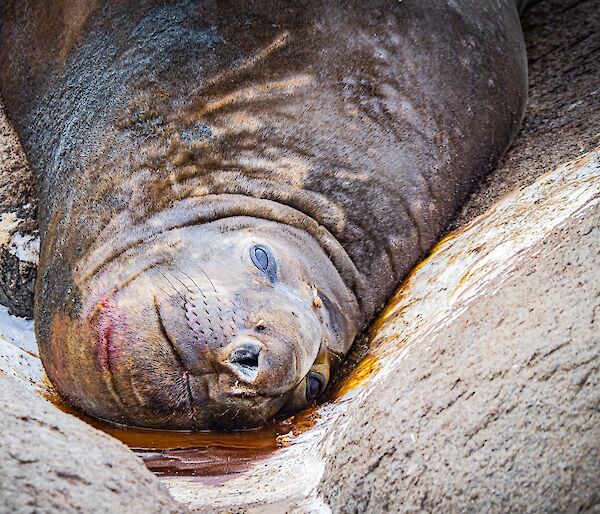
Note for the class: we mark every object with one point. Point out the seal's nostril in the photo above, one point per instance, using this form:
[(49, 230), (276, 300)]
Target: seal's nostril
[(245, 358)]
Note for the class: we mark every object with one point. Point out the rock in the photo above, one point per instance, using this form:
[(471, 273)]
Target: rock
[(51, 462), (18, 224), (500, 411), (17, 280)]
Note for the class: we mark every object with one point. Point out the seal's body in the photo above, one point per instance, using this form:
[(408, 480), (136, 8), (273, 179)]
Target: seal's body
[(230, 191)]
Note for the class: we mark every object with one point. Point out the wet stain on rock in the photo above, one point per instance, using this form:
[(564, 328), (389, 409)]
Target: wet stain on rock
[(358, 377)]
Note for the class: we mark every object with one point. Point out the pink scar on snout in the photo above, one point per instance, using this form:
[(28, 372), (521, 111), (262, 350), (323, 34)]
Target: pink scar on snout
[(108, 321)]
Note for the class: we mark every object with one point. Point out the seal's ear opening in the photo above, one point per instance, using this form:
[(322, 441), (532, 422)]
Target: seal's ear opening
[(340, 324)]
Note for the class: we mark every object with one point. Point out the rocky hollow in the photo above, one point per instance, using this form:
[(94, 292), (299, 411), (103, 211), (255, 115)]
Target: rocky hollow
[(477, 389)]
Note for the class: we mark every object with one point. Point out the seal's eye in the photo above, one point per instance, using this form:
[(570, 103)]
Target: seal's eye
[(314, 385), (263, 259)]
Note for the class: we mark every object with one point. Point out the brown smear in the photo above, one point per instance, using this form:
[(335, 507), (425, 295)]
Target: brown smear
[(391, 309), (359, 375), (298, 423)]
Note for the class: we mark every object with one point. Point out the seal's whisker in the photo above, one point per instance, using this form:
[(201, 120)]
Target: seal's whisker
[(174, 288), (206, 275), (181, 282), (163, 290), (199, 289), (262, 417)]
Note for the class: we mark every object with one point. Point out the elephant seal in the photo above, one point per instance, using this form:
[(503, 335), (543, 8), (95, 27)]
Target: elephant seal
[(230, 191)]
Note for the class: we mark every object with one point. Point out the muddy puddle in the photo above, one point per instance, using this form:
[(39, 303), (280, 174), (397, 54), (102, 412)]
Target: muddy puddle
[(208, 456)]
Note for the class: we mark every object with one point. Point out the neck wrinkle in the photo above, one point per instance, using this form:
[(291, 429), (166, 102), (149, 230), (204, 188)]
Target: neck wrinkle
[(122, 233)]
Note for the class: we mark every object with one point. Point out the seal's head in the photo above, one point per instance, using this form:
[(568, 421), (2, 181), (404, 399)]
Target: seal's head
[(223, 324)]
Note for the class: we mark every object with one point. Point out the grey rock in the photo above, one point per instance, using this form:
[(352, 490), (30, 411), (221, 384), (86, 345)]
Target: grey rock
[(502, 412), (51, 462), (17, 280)]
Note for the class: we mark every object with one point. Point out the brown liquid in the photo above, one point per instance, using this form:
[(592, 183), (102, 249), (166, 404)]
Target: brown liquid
[(211, 456)]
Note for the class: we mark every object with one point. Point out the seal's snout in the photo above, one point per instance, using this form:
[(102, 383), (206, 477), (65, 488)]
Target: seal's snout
[(243, 359)]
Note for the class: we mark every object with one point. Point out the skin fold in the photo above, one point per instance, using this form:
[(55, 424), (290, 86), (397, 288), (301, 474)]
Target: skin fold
[(229, 191)]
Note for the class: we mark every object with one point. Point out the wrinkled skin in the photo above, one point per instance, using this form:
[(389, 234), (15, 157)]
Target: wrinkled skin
[(229, 192)]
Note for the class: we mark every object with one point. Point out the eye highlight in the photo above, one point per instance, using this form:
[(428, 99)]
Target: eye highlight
[(264, 260)]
